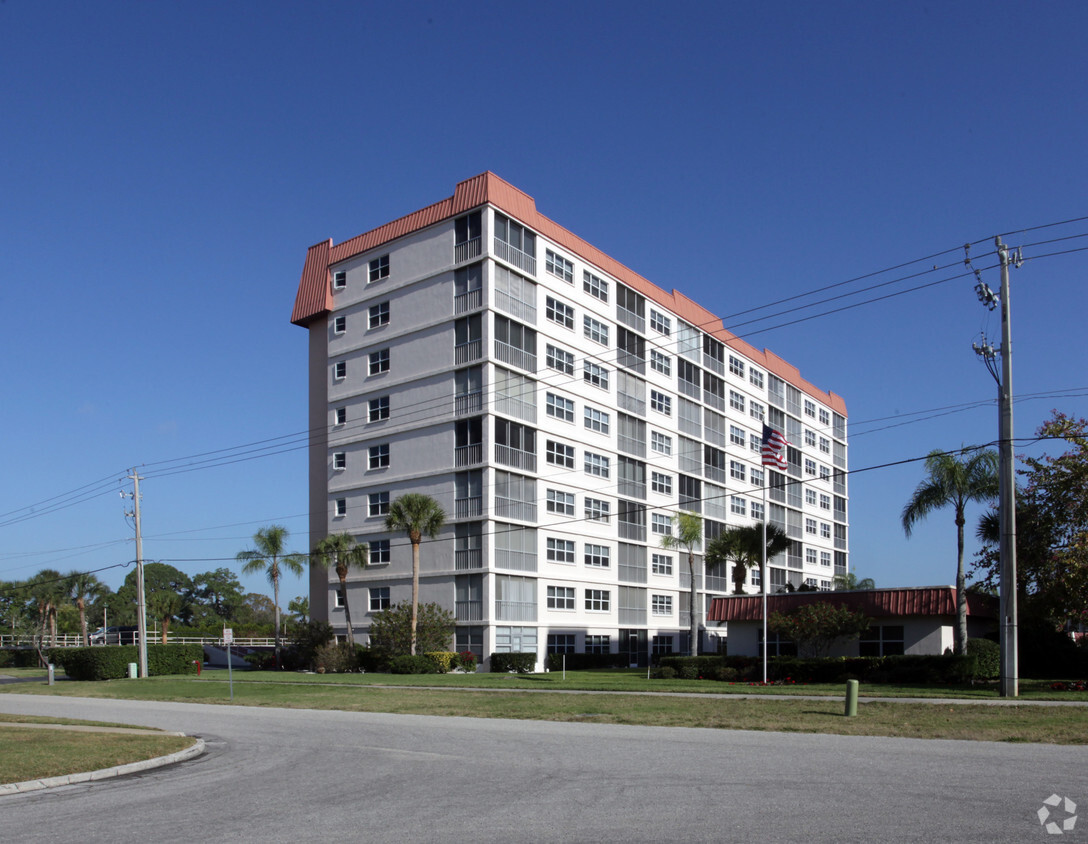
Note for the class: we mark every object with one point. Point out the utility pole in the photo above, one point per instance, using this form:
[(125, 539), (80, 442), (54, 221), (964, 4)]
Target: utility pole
[(141, 601)]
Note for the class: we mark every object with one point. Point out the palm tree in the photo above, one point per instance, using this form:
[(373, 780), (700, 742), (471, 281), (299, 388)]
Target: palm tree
[(270, 557), (954, 480), (340, 552), (689, 533), (416, 514), (742, 546), (83, 587), (849, 582)]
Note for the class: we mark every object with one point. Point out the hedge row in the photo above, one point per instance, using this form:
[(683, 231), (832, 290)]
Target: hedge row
[(110, 662), (585, 662), (519, 663), (872, 669)]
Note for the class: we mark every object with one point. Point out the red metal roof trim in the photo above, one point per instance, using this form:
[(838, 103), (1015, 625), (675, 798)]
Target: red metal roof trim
[(487, 188), (314, 293), (877, 603)]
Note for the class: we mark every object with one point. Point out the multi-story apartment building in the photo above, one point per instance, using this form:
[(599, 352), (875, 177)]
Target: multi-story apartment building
[(561, 409)]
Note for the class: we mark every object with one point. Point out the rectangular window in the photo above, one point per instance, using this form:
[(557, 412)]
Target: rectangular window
[(378, 409), (340, 508), (339, 280), (810, 408), (595, 287), (660, 482), (810, 526), (660, 443), (825, 418), (561, 503), (559, 312), (598, 600), (559, 360), (661, 402), (595, 374), (340, 416), (559, 408), (598, 556), (810, 497), (378, 315), (736, 401), (660, 323), (597, 510), (378, 504), (825, 558), (736, 366), (560, 643), (755, 443), (810, 466), (810, 438), (825, 502), (755, 477), (379, 598), (737, 436), (596, 420), (737, 505), (661, 564), (825, 445), (661, 604), (736, 470), (379, 456), (379, 552), (339, 461), (340, 370), (561, 597), (596, 465), (559, 454), (595, 330), (379, 361), (660, 362), (598, 644), (559, 266), (379, 268), (810, 556), (825, 530), (756, 410), (755, 377), (340, 325), (661, 524), (560, 551)]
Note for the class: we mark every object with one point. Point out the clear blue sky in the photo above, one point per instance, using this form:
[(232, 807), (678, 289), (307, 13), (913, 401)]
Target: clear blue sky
[(166, 165)]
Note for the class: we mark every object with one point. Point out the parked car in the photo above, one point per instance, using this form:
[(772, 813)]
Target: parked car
[(115, 636)]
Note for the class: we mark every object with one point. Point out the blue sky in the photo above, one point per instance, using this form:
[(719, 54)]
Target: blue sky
[(166, 165)]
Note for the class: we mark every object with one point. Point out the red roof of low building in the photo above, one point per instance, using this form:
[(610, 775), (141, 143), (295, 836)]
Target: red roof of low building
[(876, 603)]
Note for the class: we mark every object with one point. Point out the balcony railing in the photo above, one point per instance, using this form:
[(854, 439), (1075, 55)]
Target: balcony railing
[(515, 356), (518, 408), (525, 311), (631, 319), (470, 300), (468, 558), (631, 445), (714, 473), (515, 560), (511, 508), (466, 404), (468, 455), (468, 508), (713, 364), (714, 400), (515, 457), (469, 610), (467, 250), (468, 352), (515, 611), (689, 389), (632, 489), (631, 361), (632, 404), (513, 255), (630, 530), (631, 616)]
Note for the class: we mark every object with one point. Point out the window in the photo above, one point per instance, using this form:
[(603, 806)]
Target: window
[(810, 497), (737, 436), (737, 505), (661, 564), (810, 556), (596, 465), (560, 597), (340, 325), (825, 417), (560, 502), (660, 443), (755, 377), (339, 461), (756, 410), (755, 477), (736, 470), (378, 409), (340, 370), (559, 454), (825, 502), (515, 235), (810, 526), (598, 644), (560, 551), (825, 473), (661, 604), (560, 408), (660, 362), (595, 330), (756, 509), (467, 228), (339, 280), (379, 552), (596, 420), (810, 438), (736, 401), (595, 374), (810, 466), (379, 361), (378, 504), (825, 530), (595, 287), (825, 558), (378, 315), (662, 645), (736, 366), (559, 360), (340, 508), (560, 643), (660, 323), (810, 408), (559, 266), (559, 312), (661, 402), (661, 524), (660, 482), (379, 598), (882, 640), (338, 599), (379, 268), (597, 510), (340, 416), (755, 443), (825, 445), (379, 456), (598, 556), (598, 600)]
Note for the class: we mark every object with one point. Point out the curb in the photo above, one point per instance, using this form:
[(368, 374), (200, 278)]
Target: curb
[(106, 773)]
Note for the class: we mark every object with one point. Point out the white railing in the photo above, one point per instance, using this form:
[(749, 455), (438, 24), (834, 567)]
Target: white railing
[(467, 403), (468, 455), (513, 255), (515, 457), (515, 356), (71, 640), (470, 300), (466, 250), (525, 311), (468, 352)]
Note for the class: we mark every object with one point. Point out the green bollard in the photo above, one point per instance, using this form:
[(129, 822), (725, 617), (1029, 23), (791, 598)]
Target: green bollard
[(851, 698)]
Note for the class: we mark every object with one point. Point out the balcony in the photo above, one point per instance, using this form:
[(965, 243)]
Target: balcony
[(631, 361), (630, 403), (467, 250), (632, 489), (515, 560), (627, 615), (466, 404), (713, 364), (631, 445), (470, 300), (466, 559), (512, 508), (631, 530), (631, 319), (714, 473), (468, 455), (512, 255), (468, 352), (468, 508), (515, 457), (518, 408), (515, 356), (693, 391), (525, 311), (515, 611), (469, 610)]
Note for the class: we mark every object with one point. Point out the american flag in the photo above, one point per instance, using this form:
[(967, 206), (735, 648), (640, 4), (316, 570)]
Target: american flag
[(773, 449)]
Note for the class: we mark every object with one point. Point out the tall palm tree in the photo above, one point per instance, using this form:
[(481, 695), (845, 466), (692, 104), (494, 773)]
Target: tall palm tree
[(742, 546), (416, 514), (954, 480), (83, 587), (689, 533), (340, 552), (270, 557)]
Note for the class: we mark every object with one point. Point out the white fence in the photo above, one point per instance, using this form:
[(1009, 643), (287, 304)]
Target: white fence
[(76, 641)]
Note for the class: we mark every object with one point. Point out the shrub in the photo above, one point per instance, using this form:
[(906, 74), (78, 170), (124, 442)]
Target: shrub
[(173, 659), (664, 672), (466, 661), (110, 662), (443, 660), (301, 654), (371, 661), (391, 629), (519, 663), (987, 657), (333, 658), (693, 667), (584, 662), (408, 664), (723, 673)]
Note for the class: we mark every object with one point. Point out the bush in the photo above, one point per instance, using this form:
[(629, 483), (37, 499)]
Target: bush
[(408, 664), (306, 639), (443, 660), (110, 662), (519, 663), (664, 672), (391, 629), (333, 658), (371, 661), (987, 657), (693, 667), (585, 662), (466, 661)]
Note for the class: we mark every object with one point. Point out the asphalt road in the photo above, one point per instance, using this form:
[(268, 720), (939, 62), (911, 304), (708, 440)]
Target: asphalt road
[(277, 775)]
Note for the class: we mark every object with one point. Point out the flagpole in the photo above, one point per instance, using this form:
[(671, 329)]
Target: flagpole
[(763, 576)]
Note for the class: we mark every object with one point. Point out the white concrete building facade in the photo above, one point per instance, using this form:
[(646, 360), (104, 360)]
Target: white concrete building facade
[(561, 409)]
